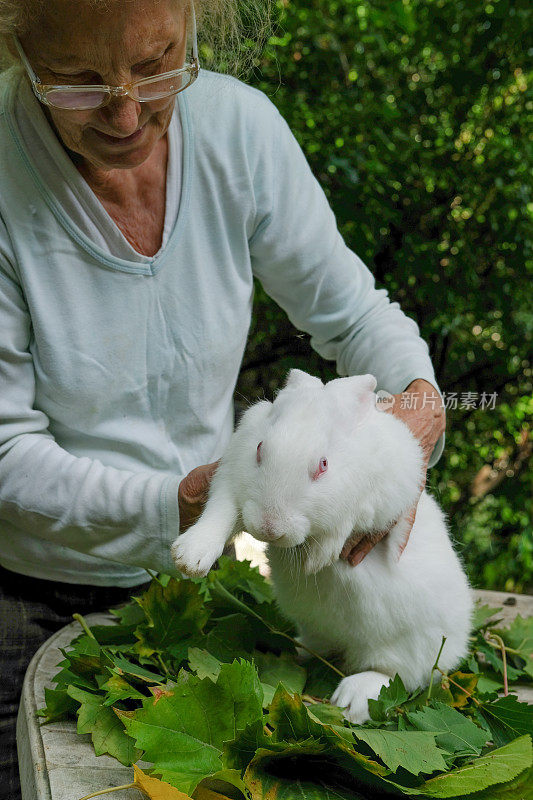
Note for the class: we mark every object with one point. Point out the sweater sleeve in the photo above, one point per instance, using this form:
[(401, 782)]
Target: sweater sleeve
[(303, 263), (98, 510)]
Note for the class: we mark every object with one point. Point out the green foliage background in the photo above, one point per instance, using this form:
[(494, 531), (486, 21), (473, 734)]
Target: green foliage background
[(415, 116)]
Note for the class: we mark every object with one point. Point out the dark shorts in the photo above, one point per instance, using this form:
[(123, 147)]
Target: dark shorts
[(31, 610)]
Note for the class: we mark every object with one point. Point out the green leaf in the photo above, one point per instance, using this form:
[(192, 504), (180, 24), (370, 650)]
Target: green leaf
[(454, 732), (496, 767), (231, 637), (238, 752), (204, 664), (130, 614), (521, 788), (414, 751), (326, 714), (482, 614), (66, 677), (123, 666), (292, 721), (519, 636), (489, 682), (175, 616), (84, 656), (106, 729), (221, 783), (116, 688), (58, 705), (241, 578), (274, 669), (507, 719), (115, 637), (390, 697), (300, 772), (290, 718), (493, 656), (183, 732), (321, 679)]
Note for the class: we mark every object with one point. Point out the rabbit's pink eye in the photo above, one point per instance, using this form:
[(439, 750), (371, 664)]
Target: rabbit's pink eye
[(258, 456), (322, 467)]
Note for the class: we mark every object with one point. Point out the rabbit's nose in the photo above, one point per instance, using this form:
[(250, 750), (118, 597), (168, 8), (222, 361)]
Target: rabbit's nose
[(268, 530)]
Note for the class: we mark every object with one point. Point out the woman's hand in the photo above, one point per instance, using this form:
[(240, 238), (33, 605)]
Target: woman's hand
[(427, 424), (192, 494)]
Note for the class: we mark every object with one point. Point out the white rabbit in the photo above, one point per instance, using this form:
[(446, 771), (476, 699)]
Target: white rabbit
[(304, 472)]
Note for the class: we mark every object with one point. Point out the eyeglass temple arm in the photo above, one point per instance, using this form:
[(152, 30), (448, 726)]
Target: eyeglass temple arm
[(25, 61), (194, 34)]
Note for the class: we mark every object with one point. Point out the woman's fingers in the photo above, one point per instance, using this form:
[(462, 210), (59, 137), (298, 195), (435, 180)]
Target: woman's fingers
[(359, 545), (192, 493)]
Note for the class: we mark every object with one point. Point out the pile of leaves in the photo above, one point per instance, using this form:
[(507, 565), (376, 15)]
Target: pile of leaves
[(200, 680)]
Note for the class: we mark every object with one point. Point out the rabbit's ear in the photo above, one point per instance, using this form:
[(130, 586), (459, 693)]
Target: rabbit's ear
[(367, 382), (297, 379), (356, 395)]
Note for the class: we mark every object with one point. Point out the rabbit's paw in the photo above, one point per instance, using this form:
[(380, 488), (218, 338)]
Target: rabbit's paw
[(194, 553), (354, 692)]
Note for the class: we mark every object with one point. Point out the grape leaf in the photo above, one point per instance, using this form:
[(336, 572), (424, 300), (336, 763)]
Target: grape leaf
[(58, 705), (175, 615), (300, 771), (321, 679), (290, 718), (496, 767), (492, 656), (238, 752), (183, 732), (116, 688), (106, 729), (507, 719), (131, 613), (154, 788), (482, 614), (326, 714), (84, 656), (231, 637), (274, 669), (204, 664), (521, 788), (468, 682), (292, 722), (115, 637), (66, 677), (454, 732), (389, 698), (414, 751), (519, 636), (241, 578), (122, 666), (489, 682)]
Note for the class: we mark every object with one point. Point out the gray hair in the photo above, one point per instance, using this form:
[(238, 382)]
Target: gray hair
[(231, 32)]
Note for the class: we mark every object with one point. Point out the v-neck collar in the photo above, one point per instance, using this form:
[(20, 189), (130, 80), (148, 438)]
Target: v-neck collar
[(147, 265)]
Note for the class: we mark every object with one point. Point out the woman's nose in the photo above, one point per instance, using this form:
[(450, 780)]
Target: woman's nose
[(122, 116)]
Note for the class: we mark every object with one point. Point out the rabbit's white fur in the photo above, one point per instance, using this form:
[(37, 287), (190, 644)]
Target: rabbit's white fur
[(387, 615)]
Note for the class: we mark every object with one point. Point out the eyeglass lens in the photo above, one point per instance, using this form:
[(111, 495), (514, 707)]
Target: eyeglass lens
[(81, 99)]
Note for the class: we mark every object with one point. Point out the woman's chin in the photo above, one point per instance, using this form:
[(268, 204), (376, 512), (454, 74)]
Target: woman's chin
[(120, 155)]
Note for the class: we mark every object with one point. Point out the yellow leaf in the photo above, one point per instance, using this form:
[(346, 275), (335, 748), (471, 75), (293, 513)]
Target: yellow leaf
[(156, 789), (207, 794), (467, 683)]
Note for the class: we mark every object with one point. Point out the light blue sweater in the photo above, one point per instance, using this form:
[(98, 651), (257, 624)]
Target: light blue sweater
[(117, 376)]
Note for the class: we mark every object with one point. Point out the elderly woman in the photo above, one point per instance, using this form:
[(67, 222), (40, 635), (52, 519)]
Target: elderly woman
[(139, 198)]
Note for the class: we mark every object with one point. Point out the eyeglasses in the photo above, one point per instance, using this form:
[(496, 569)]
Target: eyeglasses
[(88, 98)]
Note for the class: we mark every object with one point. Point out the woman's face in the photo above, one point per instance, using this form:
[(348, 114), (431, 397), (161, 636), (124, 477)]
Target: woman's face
[(74, 44)]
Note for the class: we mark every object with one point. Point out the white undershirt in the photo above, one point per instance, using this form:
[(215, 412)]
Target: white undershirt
[(80, 202)]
